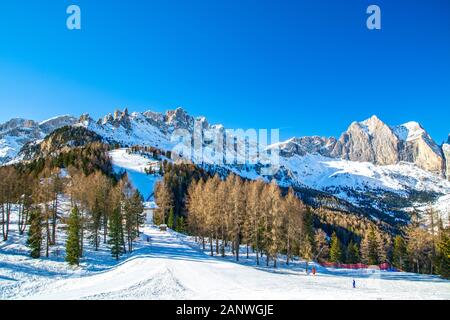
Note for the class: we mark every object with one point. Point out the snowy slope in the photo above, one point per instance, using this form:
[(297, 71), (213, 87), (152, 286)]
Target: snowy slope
[(323, 173), (172, 266), (9, 146), (137, 130), (409, 131), (135, 166)]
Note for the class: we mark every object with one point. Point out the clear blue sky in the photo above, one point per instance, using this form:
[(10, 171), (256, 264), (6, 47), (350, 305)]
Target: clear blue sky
[(307, 67)]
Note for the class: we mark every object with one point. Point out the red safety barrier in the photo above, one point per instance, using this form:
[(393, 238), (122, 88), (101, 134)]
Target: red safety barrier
[(385, 266)]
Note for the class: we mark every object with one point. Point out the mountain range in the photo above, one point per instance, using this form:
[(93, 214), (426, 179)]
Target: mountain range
[(389, 169)]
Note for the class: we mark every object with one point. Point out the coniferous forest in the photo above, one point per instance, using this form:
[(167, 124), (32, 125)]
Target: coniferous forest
[(226, 213), (105, 208)]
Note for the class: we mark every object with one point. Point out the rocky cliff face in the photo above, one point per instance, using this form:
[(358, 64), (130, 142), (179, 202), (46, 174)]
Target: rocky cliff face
[(368, 141), (446, 151), (418, 147), (374, 141)]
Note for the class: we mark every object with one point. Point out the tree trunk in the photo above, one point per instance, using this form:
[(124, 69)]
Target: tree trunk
[(211, 244), (81, 233), (223, 246), (55, 216), (237, 250), (8, 219), (288, 253), (105, 227), (257, 248), (19, 218), (47, 231)]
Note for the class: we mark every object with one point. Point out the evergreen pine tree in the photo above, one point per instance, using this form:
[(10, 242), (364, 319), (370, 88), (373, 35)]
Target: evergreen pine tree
[(335, 249), (180, 225), (116, 234), (400, 254), (352, 254), (443, 256), (171, 219), (307, 243), (369, 248), (35, 233), (73, 250)]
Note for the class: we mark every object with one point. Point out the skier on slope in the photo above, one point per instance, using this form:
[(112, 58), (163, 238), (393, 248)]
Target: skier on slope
[(354, 284)]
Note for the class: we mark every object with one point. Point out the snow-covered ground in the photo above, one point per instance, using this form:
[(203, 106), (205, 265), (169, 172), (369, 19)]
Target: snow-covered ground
[(173, 266), (135, 165), (321, 173)]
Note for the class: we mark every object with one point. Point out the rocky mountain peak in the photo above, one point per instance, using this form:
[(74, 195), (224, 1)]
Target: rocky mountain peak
[(17, 123), (179, 119), (108, 119), (374, 141), (409, 131), (372, 123), (52, 124), (85, 118), (370, 140)]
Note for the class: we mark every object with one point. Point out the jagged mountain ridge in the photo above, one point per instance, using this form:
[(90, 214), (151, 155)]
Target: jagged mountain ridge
[(370, 162), (368, 141)]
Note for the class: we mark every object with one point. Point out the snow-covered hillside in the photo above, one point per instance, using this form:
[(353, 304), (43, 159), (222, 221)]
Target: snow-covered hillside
[(324, 173), (134, 129), (172, 266), (15, 133), (135, 166)]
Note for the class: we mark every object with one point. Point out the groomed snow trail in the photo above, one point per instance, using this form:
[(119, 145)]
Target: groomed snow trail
[(171, 266)]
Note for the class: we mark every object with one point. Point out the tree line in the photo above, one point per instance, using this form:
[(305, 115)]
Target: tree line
[(105, 208), (224, 214)]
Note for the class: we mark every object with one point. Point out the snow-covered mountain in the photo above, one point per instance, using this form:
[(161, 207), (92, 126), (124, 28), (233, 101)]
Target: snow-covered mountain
[(15, 133), (372, 164), (374, 141), (147, 128)]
